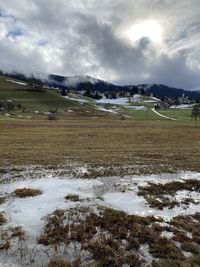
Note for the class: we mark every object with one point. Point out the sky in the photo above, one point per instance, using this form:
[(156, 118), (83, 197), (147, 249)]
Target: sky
[(120, 41)]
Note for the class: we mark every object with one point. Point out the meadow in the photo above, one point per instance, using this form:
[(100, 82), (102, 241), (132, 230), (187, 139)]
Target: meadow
[(104, 216)]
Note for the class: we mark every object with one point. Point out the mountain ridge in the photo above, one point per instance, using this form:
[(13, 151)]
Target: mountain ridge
[(85, 82)]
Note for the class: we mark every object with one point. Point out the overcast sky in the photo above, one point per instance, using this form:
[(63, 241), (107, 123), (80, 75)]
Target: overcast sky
[(120, 41)]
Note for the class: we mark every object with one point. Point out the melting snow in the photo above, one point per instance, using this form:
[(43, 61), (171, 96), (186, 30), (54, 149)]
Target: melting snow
[(167, 234), (182, 106), (124, 101), (77, 99), (150, 101), (30, 212), (131, 203), (117, 101), (115, 192), (107, 110), (137, 107)]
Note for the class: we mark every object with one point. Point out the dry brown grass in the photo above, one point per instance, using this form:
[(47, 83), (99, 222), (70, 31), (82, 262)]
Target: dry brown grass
[(2, 200), (2, 219), (74, 198), (155, 194), (103, 236), (120, 147), (27, 192), (58, 262)]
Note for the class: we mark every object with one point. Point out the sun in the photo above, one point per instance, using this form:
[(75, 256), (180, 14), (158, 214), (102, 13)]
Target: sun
[(148, 29)]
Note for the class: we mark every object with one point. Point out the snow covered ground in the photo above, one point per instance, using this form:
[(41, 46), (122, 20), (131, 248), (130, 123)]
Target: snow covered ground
[(119, 193), (118, 101), (12, 81), (80, 100), (110, 110), (30, 212), (137, 107), (182, 106), (124, 101)]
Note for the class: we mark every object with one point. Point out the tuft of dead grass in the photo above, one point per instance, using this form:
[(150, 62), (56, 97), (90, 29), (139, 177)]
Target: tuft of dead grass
[(2, 200), (58, 262), (27, 192), (2, 219), (74, 198)]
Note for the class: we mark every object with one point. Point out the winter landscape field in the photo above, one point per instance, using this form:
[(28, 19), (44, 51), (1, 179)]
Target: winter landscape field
[(107, 182), (100, 133)]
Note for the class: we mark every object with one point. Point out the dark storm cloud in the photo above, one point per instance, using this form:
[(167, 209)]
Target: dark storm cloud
[(88, 37)]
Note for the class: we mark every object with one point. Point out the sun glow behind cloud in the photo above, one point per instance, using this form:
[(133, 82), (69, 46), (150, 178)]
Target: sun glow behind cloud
[(123, 42), (148, 29)]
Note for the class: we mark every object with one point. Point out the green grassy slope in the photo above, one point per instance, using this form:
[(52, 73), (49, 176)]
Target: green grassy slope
[(43, 100)]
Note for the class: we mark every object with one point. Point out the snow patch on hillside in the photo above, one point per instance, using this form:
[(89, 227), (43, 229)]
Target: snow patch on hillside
[(12, 81), (80, 100), (182, 106)]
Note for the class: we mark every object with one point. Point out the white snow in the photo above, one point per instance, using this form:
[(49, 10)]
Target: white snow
[(137, 107), (169, 118), (144, 252), (107, 110), (183, 194), (136, 98), (128, 202), (167, 234), (80, 100), (117, 101), (30, 212), (12, 81), (150, 101), (184, 106), (123, 101), (131, 203), (155, 98)]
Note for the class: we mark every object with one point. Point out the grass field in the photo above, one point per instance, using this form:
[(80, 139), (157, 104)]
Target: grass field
[(85, 142), (142, 143), (124, 147)]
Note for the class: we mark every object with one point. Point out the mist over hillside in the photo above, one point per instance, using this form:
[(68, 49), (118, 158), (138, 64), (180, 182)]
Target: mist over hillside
[(81, 82)]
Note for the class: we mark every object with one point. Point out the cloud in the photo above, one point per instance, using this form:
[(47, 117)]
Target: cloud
[(87, 37)]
